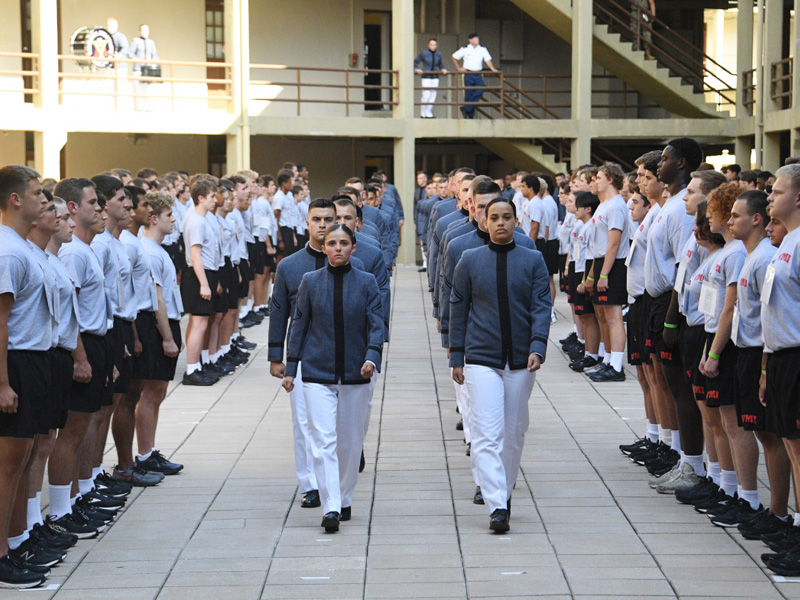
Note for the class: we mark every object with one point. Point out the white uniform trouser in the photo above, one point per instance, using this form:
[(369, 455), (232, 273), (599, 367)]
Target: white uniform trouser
[(371, 384), (336, 415), (498, 420), (428, 96), (303, 457), (462, 399)]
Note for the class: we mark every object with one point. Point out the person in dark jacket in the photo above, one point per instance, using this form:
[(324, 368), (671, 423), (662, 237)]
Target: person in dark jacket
[(338, 335), (429, 64), (499, 324)]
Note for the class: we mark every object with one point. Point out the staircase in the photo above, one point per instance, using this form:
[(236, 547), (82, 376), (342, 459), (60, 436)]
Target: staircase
[(674, 76)]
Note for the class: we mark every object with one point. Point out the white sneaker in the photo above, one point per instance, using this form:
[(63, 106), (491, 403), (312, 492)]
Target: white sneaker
[(666, 477), (686, 479)]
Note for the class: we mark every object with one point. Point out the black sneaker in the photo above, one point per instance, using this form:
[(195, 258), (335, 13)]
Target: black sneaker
[(702, 491), (787, 565), (740, 512), (498, 522), (648, 454), (362, 463), (229, 361), (310, 499), (158, 463), (608, 375), (52, 538), (101, 502), (108, 486), (90, 514), (781, 541), (765, 523), (639, 444), (583, 363), (38, 569), (347, 513), (572, 337), (331, 521), (34, 552), (478, 497), (218, 370), (73, 524), (199, 378), (718, 500), (15, 577), (264, 311), (460, 425), (239, 352), (469, 449), (663, 464), (243, 344)]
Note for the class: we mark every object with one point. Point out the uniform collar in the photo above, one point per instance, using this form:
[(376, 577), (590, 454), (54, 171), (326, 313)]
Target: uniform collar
[(339, 270), (484, 235), (465, 212), (312, 252), (502, 247)]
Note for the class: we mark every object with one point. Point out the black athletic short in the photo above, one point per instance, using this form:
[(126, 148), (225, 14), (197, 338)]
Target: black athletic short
[(256, 257), (60, 386), (783, 393), (288, 239), (176, 254), (581, 302), (270, 260), (692, 341), (637, 318), (89, 397), (244, 284), (223, 289), (164, 366), (720, 389), (551, 256), (29, 377), (122, 337), (147, 330), (749, 410), (569, 284), (562, 279), (229, 278), (659, 307), (190, 292), (617, 292)]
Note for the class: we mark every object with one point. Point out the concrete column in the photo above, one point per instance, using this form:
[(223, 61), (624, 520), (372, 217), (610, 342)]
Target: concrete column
[(48, 142), (582, 36), (402, 63), (794, 49), (773, 48), (237, 47), (742, 151), (744, 50), (771, 152)]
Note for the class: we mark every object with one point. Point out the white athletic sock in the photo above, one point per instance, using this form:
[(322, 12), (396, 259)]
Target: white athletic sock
[(652, 432), (696, 462), (249, 304), (16, 541), (243, 311), (602, 349), (424, 260), (73, 500), (582, 341), (225, 349), (575, 329), (34, 511), (60, 504), (96, 471), (144, 456), (607, 358), (665, 436), (192, 368), (676, 440), (714, 472), (752, 497), (728, 482), (616, 360), (85, 486), (796, 521), (204, 356)]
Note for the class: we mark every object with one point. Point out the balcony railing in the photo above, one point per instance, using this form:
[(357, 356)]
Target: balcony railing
[(183, 85), (749, 91), (368, 89), (535, 96), (19, 77), (780, 86)]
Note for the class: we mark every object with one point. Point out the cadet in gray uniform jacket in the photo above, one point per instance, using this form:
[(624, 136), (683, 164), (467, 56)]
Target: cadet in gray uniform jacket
[(337, 332), (499, 323)]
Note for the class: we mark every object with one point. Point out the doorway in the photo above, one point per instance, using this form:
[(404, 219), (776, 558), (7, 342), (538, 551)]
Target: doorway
[(377, 56)]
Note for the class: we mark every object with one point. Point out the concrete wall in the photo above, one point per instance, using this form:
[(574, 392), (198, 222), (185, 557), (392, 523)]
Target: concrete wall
[(90, 153), (12, 147)]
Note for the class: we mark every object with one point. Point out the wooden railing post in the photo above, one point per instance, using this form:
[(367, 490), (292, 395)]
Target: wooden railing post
[(502, 96), (347, 93)]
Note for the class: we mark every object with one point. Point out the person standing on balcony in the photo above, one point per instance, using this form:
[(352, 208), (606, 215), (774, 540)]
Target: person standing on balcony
[(473, 55), (428, 63), (145, 48), (642, 14)]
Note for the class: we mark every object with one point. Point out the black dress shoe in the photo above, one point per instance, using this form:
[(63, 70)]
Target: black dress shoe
[(363, 463), (199, 378), (331, 521), (345, 513), (499, 520), (460, 425), (421, 270), (478, 497), (469, 449), (311, 499)]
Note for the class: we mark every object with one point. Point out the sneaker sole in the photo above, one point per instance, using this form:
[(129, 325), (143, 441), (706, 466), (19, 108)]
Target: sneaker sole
[(500, 527), (21, 586)]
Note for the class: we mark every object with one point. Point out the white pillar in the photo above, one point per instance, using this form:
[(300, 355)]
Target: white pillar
[(237, 46), (582, 37), (47, 142)]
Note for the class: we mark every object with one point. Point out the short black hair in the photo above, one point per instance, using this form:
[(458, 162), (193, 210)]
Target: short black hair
[(756, 201), (283, 178), (532, 181), (107, 184), (500, 199), (472, 35), (321, 203), (485, 187), (71, 190), (689, 150), (587, 200), (135, 192)]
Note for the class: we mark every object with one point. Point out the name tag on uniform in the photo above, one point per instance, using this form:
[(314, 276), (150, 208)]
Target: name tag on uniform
[(50, 294), (120, 292), (630, 254), (681, 277), (576, 250), (709, 294), (154, 294), (178, 300), (735, 326), (769, 279)]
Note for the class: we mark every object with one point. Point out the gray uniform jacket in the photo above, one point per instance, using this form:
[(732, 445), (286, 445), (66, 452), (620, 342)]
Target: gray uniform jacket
[(500, 307), (376, 217), (284, 294), (338, 326), (373, 263), (142, 48), (436, 244)]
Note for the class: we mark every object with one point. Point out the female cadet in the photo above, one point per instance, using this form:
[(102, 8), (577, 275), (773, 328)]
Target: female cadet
[(500, 319), (338, 335)]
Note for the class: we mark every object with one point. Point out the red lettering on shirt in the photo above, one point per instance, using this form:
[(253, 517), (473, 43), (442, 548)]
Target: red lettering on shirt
[(752, 419), (743, 282), (712, 395), (785, 257), (688, 254), (666, 355), (641, 227), (602, 298), (718, 268), (699, 390)]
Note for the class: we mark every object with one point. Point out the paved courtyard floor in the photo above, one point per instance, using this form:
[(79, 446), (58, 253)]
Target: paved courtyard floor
[(585, 523)]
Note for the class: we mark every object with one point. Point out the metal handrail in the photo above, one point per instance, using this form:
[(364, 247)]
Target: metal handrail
[(33, 74), (780, 87), (673, 54)]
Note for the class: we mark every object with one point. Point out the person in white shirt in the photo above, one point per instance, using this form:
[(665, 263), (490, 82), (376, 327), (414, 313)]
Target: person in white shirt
[(284, 207), (473, 55)]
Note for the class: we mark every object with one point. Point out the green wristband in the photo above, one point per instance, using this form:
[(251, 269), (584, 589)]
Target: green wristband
[(670, 326), (714, 356), (763, 372), (590, 279), (603, 276)]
